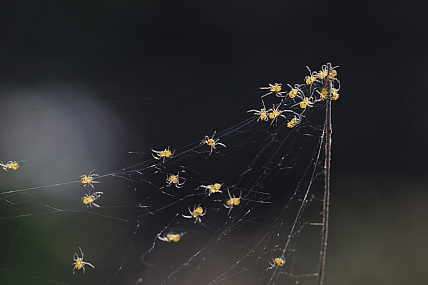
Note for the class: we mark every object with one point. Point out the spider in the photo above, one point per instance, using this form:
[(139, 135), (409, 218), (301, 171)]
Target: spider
[(293, 122), (323, 93), (171, 237), (172, 179), (312, 77), (211, 189), (233, 201), (197, 213), (262, 114), (274, 113), (79, 263), (274, 88), (334, 94), (14, 165), (89, 179), (211, 142), (89, 199), (162, 154), (294, 91), (306, 103), (277, 262), (323, 72), (332, 75)]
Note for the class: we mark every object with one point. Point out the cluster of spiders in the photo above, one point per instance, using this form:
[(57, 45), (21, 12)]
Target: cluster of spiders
[(198, 211), (167, 153), (300, 97), (318, 86), (88, 180), (177, 180), (294, 103)]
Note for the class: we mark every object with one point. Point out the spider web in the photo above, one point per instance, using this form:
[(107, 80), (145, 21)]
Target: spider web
[(276, 171)]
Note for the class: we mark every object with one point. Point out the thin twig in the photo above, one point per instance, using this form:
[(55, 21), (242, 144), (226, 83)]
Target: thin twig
[(328, 130)]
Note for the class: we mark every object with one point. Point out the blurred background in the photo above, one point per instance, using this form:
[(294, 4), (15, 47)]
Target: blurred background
[(82, 54)]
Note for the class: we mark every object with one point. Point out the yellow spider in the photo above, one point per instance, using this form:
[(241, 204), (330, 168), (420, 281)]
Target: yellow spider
[(14, 165), (79, 263), (89, 199), (274, 113), (277, 262), (262, 114), (211, 142), (323, 72), (333, 74), (323, 93), (294, 91), (309, 80), (171, 237), (162, 154), (211, 189), (274, 88), (293, 122), (334, 94), (232, 201), (172, 179), (305, 103), (89, 179), (197, 213)]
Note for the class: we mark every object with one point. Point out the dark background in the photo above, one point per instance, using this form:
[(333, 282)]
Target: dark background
[(140, 49)]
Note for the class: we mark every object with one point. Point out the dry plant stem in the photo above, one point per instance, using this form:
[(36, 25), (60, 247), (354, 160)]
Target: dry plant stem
[(328, 130)]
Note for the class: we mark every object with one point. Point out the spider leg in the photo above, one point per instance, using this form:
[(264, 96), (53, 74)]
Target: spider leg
[(266, 94), (222, 144), (87, 263)]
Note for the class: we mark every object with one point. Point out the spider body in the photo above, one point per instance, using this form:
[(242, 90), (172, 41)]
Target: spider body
[(277, 262), (172, 179), (88, 199), (323, 93), (273, 88), (262, 113), (211, 142), (274, 113), (196, 214), (89, 179), (212, 188), (162, 154), (79, 263), (312, 77), (332, 75), (14, 165), (334, 94), (294, 91), (293, 122), (232, 201), (305, 103), (323, 72), (171, 237)]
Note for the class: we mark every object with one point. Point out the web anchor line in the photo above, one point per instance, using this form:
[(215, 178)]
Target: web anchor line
[(326, 200)]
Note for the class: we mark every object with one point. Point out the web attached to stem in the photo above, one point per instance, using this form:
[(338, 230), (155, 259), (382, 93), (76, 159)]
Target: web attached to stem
[(237, 205)]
